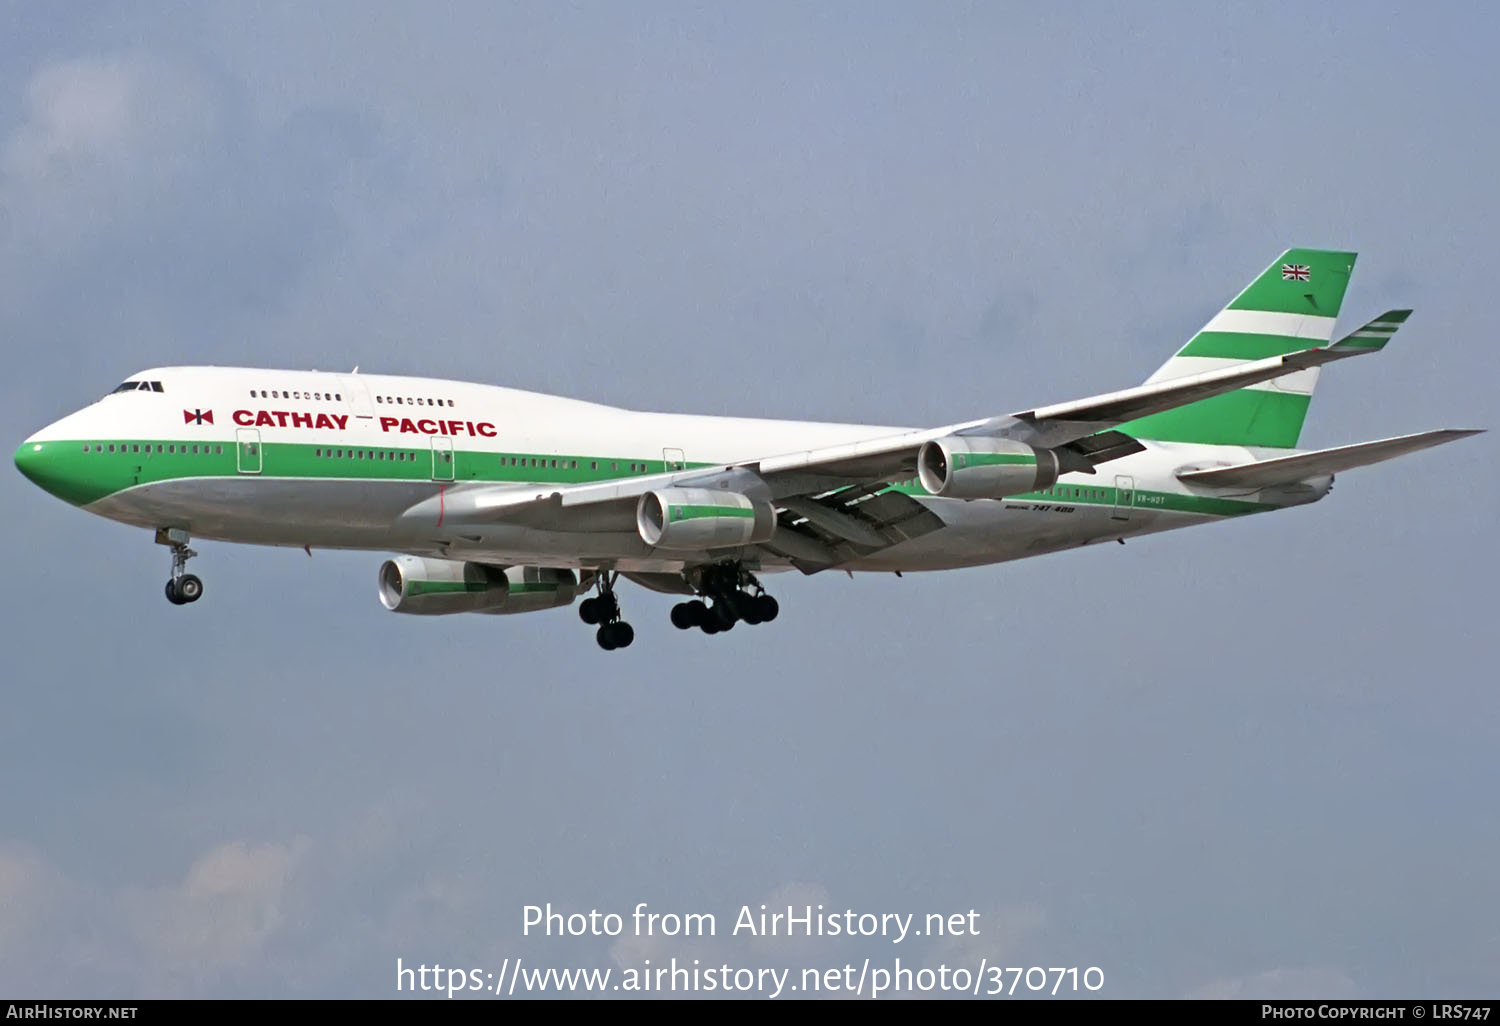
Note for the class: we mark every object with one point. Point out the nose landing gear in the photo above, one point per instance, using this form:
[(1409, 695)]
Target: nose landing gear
[(182, 587)]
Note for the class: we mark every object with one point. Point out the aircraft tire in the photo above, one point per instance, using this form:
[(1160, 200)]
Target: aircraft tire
[(189, 589)]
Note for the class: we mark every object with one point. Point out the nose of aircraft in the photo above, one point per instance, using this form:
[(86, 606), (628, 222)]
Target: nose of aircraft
[(48, 467), (30, 458)]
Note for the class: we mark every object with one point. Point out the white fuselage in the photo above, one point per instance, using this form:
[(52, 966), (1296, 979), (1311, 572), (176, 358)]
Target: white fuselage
[(277, 457)]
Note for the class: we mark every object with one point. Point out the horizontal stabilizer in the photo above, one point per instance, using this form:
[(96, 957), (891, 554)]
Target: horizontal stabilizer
[(1372, 337), (1290, 469)]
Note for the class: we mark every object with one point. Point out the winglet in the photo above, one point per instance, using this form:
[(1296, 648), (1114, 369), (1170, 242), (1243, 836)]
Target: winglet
[(1373, 336)]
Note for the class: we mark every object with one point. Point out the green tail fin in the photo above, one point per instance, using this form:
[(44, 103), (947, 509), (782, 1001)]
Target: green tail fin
[(1291, 306)]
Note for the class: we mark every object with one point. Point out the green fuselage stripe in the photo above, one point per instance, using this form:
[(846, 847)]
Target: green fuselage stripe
[(64, 469), (80, 477)]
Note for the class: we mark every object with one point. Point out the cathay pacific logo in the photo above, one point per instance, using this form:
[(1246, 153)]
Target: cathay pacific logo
[(197, 416)]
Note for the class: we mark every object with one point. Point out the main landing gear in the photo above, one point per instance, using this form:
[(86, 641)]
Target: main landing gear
[(736, 596), (604, 610), (182, 587)]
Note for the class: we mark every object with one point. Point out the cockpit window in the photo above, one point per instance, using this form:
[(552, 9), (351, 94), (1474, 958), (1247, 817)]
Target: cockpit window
[(138, 386)]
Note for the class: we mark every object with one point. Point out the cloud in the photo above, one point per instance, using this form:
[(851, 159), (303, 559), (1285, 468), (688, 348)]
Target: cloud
[(161, 193), (29, 888), (222, 913), (102, 138), (176, 939)]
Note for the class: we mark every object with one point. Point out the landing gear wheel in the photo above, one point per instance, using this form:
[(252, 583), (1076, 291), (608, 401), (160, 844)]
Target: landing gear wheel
[(588, 611), (739, 604), (766, 608), (723, 612), (615, 635), (684, 616), (189, 588), (172, 596)]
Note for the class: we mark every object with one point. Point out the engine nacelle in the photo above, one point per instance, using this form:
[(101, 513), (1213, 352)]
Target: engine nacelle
[(537, 587), (984, 468), (433, 587), (702, 518)]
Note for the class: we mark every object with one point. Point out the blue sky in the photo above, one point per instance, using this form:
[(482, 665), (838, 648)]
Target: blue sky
[(1251, 759)]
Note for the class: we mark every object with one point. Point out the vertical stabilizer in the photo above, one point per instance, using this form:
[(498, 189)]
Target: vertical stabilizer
[(1292, 305)]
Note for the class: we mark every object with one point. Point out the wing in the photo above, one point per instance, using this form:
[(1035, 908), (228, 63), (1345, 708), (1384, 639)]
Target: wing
[(836, 502), (1290, 469)]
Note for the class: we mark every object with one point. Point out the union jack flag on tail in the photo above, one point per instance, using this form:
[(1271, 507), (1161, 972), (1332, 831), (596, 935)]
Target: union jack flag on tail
[(1296, 272)]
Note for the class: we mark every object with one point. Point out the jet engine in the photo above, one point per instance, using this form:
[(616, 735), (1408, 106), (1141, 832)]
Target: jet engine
[(984, 468), (432, 587), (702, 518)]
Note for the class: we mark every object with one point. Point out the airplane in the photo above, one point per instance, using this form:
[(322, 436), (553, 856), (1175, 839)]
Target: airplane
[(502, 501)]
